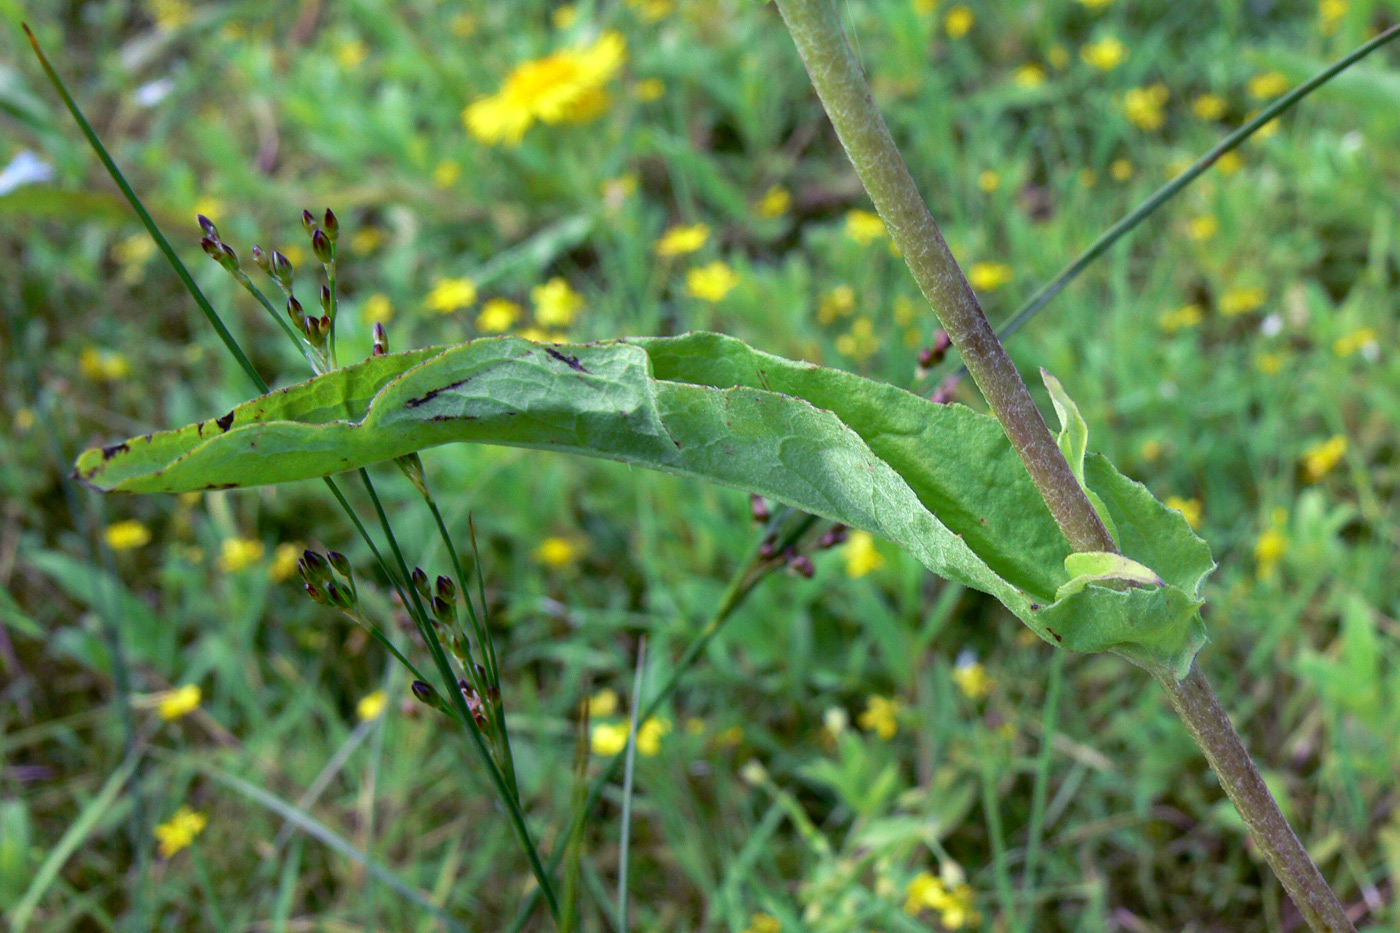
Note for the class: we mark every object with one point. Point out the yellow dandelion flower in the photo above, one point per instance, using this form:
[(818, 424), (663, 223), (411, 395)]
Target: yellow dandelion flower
[(1120, 170), (366, 240), (1242, 301), (838, 302), (1357, 340), (958, 22), (127, 535), (649, 89), (556, 303), (860, 343), (446, 173), (284, 561), (1269, 549), (371, 705), (564, 16), (989, 276), (679, 241), (652, 10), (774, 203), (103, 365), (1270, 364), (1106, 54), (609, 739), (351, 54), (860, 554), (763, 923), (972, 679), (557, 552), (179, 831), (880, 716), (450, 295), (649, 736), (1266, 85), (1202, 227), (864, 226), (237, 554), (131, 254), (172, 704), (953, 904), (1028, 76), (1146, 106), (1329, 15), (603, 703), (989, 181), (1058, 56), (377, 309), (1182, 318), (498, 316), (1230, 163), (1190, 509), (1209, 106), (1319, 459), (711, 282)]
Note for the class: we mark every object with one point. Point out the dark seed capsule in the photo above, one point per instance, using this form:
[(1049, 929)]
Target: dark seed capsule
[(381, 340), (210, 246), (759, 507), (315, 593), (338, 563), (208, 227), (425, 693), (308, 220), (321, 245), (444, 612), (446, 589), (326, 298), (331, 224), (420, 583), (295, 311), (316, 566), (323, 326)]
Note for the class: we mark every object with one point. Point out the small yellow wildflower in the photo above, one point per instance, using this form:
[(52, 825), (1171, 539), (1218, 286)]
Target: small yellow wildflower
[(649, 89), (172, 704), (23, 420), (879, 716), (1181, 318), (377, 309), (371, 705), (904, 310), (860, 343), (1270, 364), (564, 16), (953, 905), (652, 10), (678, 241), (1329, 15), (1362, 339), (131, 254), (925, 7), (864, 226), (1267, 130), (351, 54), (170, 14), (497, 316), (284, 561), (446, 173), (649, 736), (603, 703), (989, 181), (1190, 509), (615, 191), (103, 365), (366, 240), (1120, 169), (1058, 56), (1106, 54), (711, 282), (958, 22), (763, 923), (1320, 458), (1146, 106), (838, 302), (1209, 106), (237, 554), (1242, 301), (450, 295), (861, 555), (1151, 450), (774, 203), (1202, 227), (1268, 551), (124, 536), (556, 303), (1268, 84), (609, 738), (179, 831), (1230, 163), (1028, 76), (989, 276), (1087, 178), (557, 552), (972, 678)]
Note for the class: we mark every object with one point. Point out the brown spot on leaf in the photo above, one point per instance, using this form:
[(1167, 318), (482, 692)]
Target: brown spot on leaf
[(109, 452), (225, 422), (569, 361), (429, 396)]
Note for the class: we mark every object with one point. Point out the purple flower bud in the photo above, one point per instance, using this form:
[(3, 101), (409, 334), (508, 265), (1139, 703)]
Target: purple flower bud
[(326, 299), (315, 593), (339, 563), (834, 536), (281, 269), (321, 245), (758, 506), (381, 340), (332, 225), (945, 391), (767, 549), (323, 326), (317, 568), (210, 246), (425, 693), (308, 220), (260, 259), (420, 583), (444, 612), (207, 225), (446, 589), (295, 311), (801, 565)]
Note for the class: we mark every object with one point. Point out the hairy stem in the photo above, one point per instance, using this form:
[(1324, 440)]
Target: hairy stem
[(844, 93)]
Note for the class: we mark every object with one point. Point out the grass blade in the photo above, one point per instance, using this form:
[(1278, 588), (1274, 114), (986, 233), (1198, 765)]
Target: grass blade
[(624, 845)]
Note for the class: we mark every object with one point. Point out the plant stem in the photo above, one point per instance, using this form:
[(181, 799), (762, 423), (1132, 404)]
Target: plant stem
[(837, 77), (1198, 706)]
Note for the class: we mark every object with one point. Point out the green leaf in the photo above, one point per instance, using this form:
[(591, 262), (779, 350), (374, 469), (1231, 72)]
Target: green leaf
[(940, 481), (1073, 441)]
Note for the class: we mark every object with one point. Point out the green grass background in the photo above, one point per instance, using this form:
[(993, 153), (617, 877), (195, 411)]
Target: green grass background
[(358, 105)]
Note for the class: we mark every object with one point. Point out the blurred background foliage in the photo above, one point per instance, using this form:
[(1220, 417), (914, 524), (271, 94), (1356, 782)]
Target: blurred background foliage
[(868, 749)]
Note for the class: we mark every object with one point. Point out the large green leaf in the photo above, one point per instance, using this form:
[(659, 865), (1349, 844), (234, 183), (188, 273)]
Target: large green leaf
[(941, 481)]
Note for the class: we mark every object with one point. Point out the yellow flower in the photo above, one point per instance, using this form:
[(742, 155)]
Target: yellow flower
[(774, 203), (763, 923), (123, 536), (284, 561), (1150, 450), (603, 703), (1088, 178), (880, 716), (497, 316), (860, 343), (450, 295), (958, 21), (1146, 106), (1202, 228), (861, 555), (446, 173), (237, 554), (377, 308), (1268, 84), (366, 240), (711, 282), (23, 420), (652, 10), (566, 86), (925, 7), (609, 738), (170, 14), (1268, 551), (103, 365), (649, 736), (989, 181), (989, 276), (131, 254), (179, 831), (1347, 344), (864, 226), (1120, 170), (556, 303), (351, 54), (1270, 364), (1058, 56), (1209, 106), (1190, 509), (1242, 301), (1028, 76), (172, 704), (678, 241), (1319, 459), (838, 302), (564, 16), (1106, 54), (1095, 4), (371, 705), (557, 552), (953, 905), (649, 89), (1329, 14), (972, 678), (1183, 317)]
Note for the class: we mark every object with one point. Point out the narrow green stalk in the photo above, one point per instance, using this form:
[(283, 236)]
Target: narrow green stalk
[(1198, 706), (624, 844), (1041, 790), (1001, 870), (816, 29)]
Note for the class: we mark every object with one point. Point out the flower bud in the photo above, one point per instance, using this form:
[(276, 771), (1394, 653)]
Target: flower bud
[(326, 299), (317, 570), (767, 549), (260, 259), (945, 391), (338, 563), (459, 650), (315, 593), (321, 245), (420, 583), (801, 565), (281, 269), (381, 340), (308, 220), (446, 589), (932, 356), (323, 326), (444, 612), (295, 312), (331, 224), (758, 506), (834, 536), (339, 596), (207, 225)]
